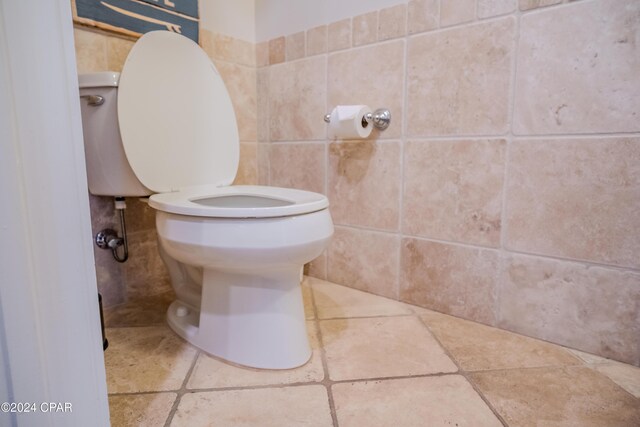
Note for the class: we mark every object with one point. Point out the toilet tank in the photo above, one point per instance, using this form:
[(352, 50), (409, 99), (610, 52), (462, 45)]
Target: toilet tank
[(108, 171)]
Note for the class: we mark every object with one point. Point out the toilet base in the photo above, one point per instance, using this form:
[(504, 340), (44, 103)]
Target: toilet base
[(254, 319)]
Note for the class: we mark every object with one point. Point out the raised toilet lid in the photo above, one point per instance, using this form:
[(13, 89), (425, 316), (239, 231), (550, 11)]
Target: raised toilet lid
[(176, 119)]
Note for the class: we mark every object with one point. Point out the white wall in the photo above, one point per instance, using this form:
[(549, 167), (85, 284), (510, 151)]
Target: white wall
[(260, 20), (274, 18), (235, 18)]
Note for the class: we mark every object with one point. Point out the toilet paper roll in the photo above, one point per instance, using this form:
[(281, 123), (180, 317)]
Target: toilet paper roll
[(347, 122)]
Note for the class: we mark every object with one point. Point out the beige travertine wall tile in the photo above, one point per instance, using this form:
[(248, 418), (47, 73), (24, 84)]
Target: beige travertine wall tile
[(103, 213), (572, 304), (142, 410), (139, 215), (248, 167), (263, 164), (117, 51), (205, 40), (262, 104), (454, 12), (307, 298), (317, 40), (318, 267), (91, 51), (381, 347), (572, 396), (533, 4), (297, 100), (489, 8), (150, 358), (365, 260), (576, 198), (365, 184), (276, 50), (300, 165), (392, 22), (453, 190), (458, 87), (295, 46), (422, 15), (478, 347), (594, 84), (149, 310), (210, 372), (145, 273), (365, 28), (411, 402), (110, 278), (241, 85), (262, 54), (354, 78), (451, 279), (339, 35), (109, 273), (335, 301), (265, 407), (234, 50)]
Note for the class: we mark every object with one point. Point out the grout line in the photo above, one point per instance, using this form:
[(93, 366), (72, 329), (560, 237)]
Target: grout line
[(501, 251), (380, 316), (587, 263), (323, 357), (462, 372), (524, 137), (403, 143), (327, 159), (182, 390), (497, 300)]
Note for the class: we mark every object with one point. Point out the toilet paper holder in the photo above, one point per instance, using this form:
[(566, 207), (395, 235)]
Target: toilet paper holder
[(381, 118)]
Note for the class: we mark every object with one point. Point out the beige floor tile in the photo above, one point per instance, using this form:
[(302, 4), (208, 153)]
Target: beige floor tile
[(140, 410), (478, 347), (381, 347), (569, 396), (146, 359), (214, 373), (335, 301), (626, 376), (267, 407), (148, 311), (434, 401)]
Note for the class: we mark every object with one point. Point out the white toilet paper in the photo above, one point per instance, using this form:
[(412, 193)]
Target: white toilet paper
[(346, 122)]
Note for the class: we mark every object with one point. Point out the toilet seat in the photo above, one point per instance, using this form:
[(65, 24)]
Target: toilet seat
[(239, 201), (195, 147), (176, 119)]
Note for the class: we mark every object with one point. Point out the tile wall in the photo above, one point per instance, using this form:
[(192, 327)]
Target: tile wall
[(507, 189), (144, 274)]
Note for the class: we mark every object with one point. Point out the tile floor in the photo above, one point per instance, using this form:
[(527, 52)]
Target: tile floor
[(376, 362)]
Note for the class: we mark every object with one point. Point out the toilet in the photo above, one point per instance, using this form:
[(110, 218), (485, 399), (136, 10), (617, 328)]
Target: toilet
[(165, 128)]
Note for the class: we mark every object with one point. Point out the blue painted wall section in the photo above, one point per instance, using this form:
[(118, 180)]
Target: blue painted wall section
[(179, 16)]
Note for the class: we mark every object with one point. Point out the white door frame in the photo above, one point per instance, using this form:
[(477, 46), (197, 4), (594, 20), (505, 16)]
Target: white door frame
[(50, 340)]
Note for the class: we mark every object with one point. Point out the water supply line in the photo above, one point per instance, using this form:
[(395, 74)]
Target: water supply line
[(108, 238)]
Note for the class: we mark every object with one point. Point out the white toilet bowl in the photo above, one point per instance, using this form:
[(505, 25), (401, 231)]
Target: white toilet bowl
[(234, 253), (243, 303)]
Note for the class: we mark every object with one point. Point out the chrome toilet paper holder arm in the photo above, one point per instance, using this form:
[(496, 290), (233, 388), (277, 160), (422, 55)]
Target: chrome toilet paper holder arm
[(381, 118)]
